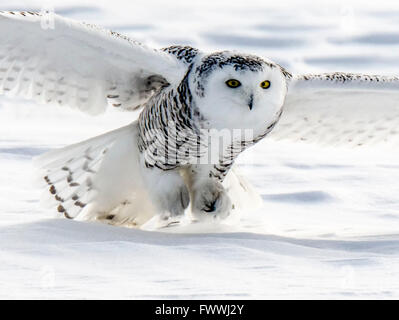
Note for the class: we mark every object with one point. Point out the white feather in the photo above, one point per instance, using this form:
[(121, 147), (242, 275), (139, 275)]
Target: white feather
[(340, 109), (109, 177), (76, 64)]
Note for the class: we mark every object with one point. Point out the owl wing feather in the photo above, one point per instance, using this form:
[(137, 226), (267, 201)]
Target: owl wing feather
[(98, 179), (340, 109), (79, 65)]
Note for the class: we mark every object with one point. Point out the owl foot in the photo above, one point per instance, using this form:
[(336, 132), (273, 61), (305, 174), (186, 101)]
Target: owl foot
[(178, 201), (210, 200), (174, 203)]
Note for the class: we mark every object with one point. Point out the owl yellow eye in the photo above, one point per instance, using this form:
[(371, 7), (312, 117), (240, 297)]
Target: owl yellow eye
[(233, 83), (265, 84)]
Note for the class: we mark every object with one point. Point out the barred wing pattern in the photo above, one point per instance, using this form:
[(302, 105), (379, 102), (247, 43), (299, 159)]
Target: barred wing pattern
[(79, 65), (340, 109)]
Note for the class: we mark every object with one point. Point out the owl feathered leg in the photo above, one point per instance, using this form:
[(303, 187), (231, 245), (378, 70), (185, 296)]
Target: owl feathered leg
[(168, 191), (211, 198)]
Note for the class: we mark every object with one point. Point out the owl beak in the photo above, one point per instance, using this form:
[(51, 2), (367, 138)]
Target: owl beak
[(251, 102)]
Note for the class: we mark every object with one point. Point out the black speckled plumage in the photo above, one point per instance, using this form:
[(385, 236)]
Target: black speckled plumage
[(170, 135)]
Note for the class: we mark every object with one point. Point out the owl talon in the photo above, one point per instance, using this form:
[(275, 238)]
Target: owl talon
[(210, 198), (210, 207)]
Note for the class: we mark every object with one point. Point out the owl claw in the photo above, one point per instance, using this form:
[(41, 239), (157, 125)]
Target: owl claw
[(210, 207), (210, 200)]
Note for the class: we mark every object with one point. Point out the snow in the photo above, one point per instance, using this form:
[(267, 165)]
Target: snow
[(328, 227)]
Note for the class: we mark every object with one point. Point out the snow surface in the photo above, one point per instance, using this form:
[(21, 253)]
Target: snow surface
[(329, 225)]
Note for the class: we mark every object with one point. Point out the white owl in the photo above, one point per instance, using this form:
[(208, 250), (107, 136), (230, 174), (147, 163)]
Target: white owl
[(160, 164)]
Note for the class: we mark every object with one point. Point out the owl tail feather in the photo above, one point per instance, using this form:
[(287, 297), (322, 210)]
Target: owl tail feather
[(95, 178)]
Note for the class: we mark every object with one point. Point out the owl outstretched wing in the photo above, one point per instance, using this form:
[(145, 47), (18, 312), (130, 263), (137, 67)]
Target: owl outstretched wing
[(340, 109), (79, 65)]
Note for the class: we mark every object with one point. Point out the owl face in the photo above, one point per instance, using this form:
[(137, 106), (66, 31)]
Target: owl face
[(238, 91)]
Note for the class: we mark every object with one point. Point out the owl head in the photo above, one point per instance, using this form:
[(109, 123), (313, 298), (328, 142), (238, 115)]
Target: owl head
[(237, 91)]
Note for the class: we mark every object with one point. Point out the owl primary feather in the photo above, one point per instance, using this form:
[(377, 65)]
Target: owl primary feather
[(199, 111)]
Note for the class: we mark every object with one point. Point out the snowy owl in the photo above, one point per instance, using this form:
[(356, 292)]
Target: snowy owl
[(161, 165)]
